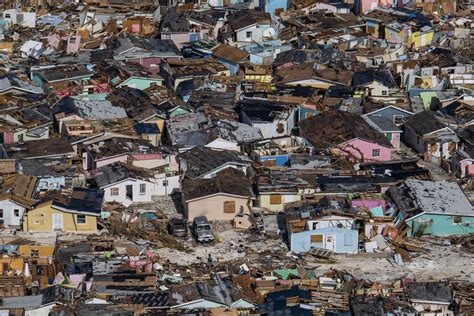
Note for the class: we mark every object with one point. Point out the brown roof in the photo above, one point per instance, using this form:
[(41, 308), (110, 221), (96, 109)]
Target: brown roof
[(230, 181), (313, 70), (230, 53), (334, 127)]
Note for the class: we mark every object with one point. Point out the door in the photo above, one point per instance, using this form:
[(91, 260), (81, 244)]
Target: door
[(58, 222), (329, 242), (129, 189)]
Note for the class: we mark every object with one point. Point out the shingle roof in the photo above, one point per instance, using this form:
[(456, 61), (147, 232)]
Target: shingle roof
[(424, 122), (334, 127), (201, 160), (230, 180), (230, 53)]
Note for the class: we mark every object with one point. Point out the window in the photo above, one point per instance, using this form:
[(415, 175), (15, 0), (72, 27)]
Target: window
[(34, 252), (398, 119), (142, 188), (114, 191), (81, 219), (248, 34), (275, 199), (16, 212), (72, 40), (1, 213), (384, 92), (457, 219), (375, 152), (7, 16), (389, 136), (316, 239), (280, 128), (229, 207), (309, 114)]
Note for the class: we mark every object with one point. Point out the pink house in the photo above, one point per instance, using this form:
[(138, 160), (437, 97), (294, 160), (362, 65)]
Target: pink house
[(369, 5), (345, 134)]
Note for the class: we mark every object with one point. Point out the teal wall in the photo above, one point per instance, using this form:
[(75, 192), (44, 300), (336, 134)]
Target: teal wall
[(141, 83), (440, 225), (179, 111)]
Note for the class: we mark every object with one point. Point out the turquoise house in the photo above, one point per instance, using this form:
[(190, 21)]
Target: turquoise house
[(437, 208), (141, 83), (338, 240)]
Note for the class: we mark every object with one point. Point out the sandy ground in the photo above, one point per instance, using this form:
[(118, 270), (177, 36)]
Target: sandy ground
[(442, 262)]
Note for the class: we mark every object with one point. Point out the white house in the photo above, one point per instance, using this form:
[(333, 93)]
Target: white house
[(12, 208), (273, 119), (25, 19), (128, 184)]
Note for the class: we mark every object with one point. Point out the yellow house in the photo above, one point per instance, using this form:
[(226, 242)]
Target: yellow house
[(76, 213), (420, 39)]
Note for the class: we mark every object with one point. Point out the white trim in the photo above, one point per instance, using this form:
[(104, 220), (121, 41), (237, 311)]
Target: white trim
[(389, 106), (220, 193), (432, 213)]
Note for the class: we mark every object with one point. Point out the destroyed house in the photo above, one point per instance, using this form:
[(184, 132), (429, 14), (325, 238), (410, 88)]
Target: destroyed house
[(11, 84), (202, 296), (58, 79), (205, 163), (429, 134), (44, 148), (377, 83), (276, 189), (219, 198), (431, 297), (128, 184), (107, 151), (437, 208), (26, 124), (147, 52), (272, 118), (177, 73), (345, 134), (247, 26)]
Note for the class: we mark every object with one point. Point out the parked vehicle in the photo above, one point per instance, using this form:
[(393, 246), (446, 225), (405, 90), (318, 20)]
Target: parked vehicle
[(202, 229), (178, 227)]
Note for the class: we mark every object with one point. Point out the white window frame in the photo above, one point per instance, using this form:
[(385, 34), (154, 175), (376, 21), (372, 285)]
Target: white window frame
[(142, 188), (116, 190), (398, 116), (85, 219), (376, 150)]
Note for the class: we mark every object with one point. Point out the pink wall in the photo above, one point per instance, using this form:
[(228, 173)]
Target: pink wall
[(107, 161), (363, 149), (395, 140), (369, 5)]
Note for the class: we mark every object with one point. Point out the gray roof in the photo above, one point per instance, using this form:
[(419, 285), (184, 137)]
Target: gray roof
[(91, 109), (439, 197), (240, 132), (26, 302), (12, 82), (117, 172), (381, 123), (202, 160)]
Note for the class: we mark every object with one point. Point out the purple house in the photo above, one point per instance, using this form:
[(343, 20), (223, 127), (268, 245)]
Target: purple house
[(345, 134)]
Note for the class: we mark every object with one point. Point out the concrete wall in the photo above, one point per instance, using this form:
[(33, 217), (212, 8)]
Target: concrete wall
[(343, 240), (362, 149), (41, 220), (440, 225), (213, 207), (264, 201), (9, 218)]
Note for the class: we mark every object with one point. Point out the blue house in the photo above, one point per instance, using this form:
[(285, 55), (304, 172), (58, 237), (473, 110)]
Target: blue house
[(273, 6), (437, 208), (338, 240)]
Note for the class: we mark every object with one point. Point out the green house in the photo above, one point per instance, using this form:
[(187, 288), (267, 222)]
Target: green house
[(141, 83), (437, 208)]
